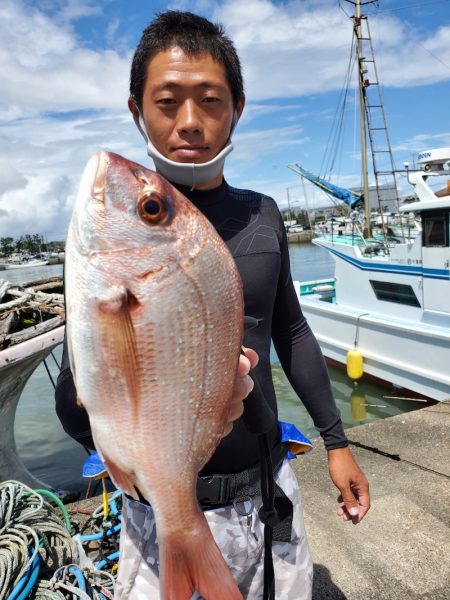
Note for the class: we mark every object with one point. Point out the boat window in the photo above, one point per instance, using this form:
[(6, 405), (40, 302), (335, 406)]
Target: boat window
[(435, 227), (399, 293)]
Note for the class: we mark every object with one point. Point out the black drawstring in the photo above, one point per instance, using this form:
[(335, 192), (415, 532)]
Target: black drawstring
[(259, 418), (267, 514)]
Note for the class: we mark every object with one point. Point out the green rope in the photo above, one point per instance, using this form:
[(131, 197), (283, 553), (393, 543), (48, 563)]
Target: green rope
[(57, 500)]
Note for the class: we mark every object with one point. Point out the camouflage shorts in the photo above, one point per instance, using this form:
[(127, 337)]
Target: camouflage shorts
[(241, 540)]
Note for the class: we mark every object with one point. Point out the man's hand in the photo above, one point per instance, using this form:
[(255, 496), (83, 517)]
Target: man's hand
[(243, 385), (351, 482)]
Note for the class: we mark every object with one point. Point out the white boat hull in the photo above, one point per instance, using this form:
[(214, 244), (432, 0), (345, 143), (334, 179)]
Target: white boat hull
[(17, 364), (407, 354), (31, 263)]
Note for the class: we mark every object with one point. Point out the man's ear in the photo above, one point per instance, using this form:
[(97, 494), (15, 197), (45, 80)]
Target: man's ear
[(237, 113), (133, 108), (240, 107)]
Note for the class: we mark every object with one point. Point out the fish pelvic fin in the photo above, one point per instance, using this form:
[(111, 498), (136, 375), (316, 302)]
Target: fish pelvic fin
[(193, 562), (117, 333), (122, 477)]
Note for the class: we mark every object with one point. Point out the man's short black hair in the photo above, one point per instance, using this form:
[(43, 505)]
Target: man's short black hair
[(194, 35)]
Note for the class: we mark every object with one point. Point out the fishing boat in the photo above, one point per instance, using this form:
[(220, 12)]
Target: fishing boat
[(31, 325), (25, 263), (388, 305)]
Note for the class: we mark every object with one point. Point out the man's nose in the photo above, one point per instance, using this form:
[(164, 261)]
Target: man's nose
[(189, 120)]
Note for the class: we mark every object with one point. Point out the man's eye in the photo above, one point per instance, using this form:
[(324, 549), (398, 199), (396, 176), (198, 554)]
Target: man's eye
[(210, 99), (165, 101)]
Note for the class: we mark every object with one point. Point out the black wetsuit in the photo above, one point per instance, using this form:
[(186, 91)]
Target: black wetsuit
[(252, 227)]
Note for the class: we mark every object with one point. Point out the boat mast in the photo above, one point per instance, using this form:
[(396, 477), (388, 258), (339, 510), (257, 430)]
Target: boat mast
[(362, 106)]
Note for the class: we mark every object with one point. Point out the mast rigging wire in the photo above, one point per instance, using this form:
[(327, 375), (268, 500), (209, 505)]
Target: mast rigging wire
[(335, 138)]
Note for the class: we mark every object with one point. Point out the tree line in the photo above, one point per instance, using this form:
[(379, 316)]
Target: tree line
[(28, 243)]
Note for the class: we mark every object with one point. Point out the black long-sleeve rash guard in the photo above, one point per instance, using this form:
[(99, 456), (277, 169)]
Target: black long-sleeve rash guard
[(252, 227)]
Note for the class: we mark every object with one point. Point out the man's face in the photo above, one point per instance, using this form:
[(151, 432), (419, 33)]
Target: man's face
[(187, 106)]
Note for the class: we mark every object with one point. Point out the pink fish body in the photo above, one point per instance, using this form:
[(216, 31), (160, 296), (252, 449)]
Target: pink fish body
[(154, 323)]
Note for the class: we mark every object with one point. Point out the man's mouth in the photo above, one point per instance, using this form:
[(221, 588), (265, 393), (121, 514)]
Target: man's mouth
[(190, 152)]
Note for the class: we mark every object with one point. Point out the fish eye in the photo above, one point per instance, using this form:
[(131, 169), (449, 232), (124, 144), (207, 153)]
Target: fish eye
[(152, 208)]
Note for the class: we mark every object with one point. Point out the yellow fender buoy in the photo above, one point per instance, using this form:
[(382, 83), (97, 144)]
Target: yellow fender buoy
[(355, 364)]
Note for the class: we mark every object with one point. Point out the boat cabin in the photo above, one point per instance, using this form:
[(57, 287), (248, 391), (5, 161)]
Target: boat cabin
[(435, 240)]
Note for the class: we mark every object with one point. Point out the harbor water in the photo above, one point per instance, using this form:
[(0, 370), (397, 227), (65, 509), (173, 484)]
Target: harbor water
[(52, 456)]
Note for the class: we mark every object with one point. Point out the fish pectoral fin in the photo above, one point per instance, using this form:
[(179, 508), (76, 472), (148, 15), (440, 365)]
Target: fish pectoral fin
[(119, 339), (122, 477)]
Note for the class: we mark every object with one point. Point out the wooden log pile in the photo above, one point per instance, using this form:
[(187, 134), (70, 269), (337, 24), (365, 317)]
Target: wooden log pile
[(29, 309)]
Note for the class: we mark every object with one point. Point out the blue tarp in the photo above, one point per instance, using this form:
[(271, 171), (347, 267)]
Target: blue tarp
[(93, 466), (343, 194)]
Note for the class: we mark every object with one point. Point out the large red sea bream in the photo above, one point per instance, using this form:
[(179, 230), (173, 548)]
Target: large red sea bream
[(154, 325)]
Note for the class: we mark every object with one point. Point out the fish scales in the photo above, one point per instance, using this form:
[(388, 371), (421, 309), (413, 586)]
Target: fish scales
[(154, 319)]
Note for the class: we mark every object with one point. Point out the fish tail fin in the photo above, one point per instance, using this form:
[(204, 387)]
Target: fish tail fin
[(193, 562)]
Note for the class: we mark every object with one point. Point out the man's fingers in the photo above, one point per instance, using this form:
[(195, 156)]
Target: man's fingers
[(364, 504), (242, 388), (243, 385), (354, 507), (227, 429), (247, 361), (342, 512), (236, 410), (350, 510)]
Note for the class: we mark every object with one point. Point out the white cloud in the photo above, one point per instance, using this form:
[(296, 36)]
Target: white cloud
[(423, 141), (74, 9), (255, 110), (295, 49), (43, 66), (253, 146), (46, 157), (62, 99)]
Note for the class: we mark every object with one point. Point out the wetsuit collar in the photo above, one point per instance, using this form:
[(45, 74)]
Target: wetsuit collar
[(204, 197)]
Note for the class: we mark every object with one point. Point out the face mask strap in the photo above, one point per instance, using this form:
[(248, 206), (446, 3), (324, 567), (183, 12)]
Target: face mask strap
[(188, 174)]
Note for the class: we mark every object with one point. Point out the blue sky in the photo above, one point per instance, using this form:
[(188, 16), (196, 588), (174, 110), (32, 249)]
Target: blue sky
[(64, 68)]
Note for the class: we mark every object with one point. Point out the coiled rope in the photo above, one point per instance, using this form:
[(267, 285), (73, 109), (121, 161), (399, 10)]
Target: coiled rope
[(31, 533), (38, 556), (72, 582)]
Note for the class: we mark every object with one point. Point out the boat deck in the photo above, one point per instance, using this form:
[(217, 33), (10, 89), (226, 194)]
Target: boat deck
[(402, 549)]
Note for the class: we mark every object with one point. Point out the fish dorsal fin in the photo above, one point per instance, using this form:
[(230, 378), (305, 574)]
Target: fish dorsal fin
[(118, 338)]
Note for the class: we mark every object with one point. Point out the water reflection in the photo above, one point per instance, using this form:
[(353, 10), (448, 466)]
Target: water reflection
[(51, 455), (31, 273), (363, 403), (47, 451)]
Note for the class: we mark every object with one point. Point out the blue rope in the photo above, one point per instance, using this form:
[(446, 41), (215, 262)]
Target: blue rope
[(31, 577), (109, 558), (81, 581), (101, 535)]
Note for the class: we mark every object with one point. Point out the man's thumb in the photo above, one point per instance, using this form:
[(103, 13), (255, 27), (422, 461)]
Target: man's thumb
[(350, 502)]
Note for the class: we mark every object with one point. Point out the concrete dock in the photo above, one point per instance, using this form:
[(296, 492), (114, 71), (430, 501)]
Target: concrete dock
[(300, 237), (401, 551)]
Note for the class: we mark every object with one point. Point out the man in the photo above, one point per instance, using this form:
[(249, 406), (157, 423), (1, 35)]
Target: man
[(186, 98), (444, 192)]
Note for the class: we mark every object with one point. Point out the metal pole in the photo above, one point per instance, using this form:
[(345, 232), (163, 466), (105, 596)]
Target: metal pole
[(362, 117), (289, 205)]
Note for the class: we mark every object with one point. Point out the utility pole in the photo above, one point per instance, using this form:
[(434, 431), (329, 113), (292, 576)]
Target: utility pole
[(289, 205)]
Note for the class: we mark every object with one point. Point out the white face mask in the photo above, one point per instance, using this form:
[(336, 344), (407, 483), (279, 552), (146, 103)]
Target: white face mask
[(188, 174)]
